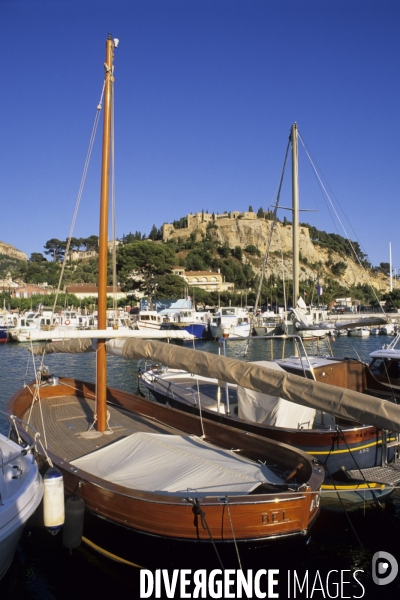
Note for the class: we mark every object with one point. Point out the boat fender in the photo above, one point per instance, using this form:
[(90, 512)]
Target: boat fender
[(53, 500), (73, 526)]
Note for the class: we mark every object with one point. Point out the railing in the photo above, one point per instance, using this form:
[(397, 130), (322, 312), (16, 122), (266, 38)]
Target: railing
[(168, 388)]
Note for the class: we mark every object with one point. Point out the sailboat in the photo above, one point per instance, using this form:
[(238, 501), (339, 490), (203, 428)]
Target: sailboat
[(309, 324), (150, 473), (357, 453)]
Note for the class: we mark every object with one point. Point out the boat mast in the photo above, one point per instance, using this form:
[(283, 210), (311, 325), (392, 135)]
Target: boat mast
[(295, 215), (101, 375)]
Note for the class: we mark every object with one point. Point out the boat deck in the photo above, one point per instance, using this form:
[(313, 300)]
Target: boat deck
[(66, 418), (192, 391)]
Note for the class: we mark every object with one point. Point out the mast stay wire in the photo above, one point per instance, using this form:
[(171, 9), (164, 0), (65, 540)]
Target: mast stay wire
[(338, 218), (274, 220), (113, 212), (78, 200)]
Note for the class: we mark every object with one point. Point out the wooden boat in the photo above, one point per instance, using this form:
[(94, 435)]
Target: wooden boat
[(149, 471), (21, 490), (357, 451)]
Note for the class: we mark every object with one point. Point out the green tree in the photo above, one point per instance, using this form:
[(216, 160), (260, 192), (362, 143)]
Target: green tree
[(37, 257), (237, 252), (56, 248), (91, 243), (155, 234), (140, 264), (339, 268)]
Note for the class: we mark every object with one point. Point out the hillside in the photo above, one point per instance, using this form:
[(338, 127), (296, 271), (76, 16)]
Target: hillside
[(8, 250), (11, 259), (252, 231)]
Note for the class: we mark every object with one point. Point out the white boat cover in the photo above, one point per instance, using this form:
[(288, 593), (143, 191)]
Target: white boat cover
[(257, 407), (175, 465)]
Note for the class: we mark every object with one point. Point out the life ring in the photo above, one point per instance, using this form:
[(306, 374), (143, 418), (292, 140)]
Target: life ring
[(67, 322)]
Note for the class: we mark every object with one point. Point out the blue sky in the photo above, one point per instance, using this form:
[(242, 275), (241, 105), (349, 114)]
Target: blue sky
[(205, 94)]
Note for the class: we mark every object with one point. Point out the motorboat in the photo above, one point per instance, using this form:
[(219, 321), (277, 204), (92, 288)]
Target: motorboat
[(230, 321), (21, 489)]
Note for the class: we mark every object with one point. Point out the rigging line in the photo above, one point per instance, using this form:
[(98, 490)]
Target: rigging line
[(346, 512), (200, 411), (233, 535), (274, 220), (80, 191), (340, 221), (338, 204), (113, 213)]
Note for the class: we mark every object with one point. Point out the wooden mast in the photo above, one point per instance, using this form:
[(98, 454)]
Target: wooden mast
[(101, 374), (295, 214)]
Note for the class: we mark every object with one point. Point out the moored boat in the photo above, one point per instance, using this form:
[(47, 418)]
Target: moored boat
[(230, 321), (357, 457), (21, 490), (147, 470)]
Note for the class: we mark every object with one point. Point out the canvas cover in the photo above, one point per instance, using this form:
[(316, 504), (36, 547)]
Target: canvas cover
[(358, 407), (257, 407), (175, 465)]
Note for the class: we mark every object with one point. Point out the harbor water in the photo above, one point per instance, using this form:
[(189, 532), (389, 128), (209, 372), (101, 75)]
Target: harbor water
[(337, 561)]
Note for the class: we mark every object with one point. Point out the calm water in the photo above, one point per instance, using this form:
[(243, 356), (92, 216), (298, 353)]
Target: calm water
[(339, 543)]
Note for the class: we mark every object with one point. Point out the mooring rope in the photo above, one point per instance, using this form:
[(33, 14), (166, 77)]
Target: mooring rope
[(200, 512)]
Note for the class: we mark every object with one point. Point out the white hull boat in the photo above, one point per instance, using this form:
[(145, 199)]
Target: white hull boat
[(21, 490), (360, 332)]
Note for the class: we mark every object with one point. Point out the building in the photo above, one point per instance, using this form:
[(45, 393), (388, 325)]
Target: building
[(89, 290), (29, 290), (210, 281), (201, 220)]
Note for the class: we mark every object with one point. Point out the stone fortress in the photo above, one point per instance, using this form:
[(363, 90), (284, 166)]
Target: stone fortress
[(246, 228)]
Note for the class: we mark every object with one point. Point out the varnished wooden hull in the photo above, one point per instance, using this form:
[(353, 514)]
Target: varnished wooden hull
[(252, 518)]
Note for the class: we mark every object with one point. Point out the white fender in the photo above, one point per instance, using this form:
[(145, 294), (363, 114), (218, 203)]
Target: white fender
[(53, 500)]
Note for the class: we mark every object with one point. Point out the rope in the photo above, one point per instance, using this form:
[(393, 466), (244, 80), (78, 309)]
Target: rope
[(347, 515), (233, 535), (200, 512), (78, 200), (200, 411), (274, 220), (110, 554), (357, 259), (113, 211)]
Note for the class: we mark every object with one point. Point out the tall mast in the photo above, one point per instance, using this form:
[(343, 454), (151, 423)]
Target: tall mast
[(295, 217), (101, 375)]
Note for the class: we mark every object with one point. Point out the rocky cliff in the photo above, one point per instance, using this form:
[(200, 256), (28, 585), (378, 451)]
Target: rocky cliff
[(12, 252), (244, 232)]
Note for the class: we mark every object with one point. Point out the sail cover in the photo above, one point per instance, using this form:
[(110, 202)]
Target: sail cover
[(358, 407), (175, 465), (257, 407)]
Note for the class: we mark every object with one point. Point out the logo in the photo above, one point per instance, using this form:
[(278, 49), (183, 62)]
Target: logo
[(384, 568)]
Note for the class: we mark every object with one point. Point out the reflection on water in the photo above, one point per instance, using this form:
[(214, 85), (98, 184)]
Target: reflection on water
[(341, 543)]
